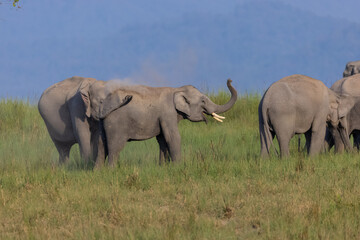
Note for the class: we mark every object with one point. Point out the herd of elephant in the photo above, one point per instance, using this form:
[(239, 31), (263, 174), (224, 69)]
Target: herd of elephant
[(102, 116), (299, 104)]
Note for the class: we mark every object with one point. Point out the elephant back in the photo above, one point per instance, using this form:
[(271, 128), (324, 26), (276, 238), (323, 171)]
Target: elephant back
[(349, 85)]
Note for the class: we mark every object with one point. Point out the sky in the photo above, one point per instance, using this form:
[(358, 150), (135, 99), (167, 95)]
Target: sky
[(66, 24)]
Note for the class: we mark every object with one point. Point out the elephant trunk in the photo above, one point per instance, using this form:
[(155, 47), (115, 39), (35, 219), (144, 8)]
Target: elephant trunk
[(230, 103), (214, 109), (345, 138)]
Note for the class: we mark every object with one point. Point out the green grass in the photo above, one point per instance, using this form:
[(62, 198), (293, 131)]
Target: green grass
[(220, 190)]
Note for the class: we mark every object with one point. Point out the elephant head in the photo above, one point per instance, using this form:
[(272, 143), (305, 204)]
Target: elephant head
[(337, 119), (98, 101), (193, 105), (352, 68)]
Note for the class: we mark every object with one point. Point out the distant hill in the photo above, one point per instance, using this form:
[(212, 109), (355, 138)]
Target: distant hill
[(256, 44)]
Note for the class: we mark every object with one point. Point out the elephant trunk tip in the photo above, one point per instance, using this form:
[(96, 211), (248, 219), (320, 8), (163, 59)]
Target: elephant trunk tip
[(223, 108)]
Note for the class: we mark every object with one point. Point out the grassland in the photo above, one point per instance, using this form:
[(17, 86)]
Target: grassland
[(220, 190)]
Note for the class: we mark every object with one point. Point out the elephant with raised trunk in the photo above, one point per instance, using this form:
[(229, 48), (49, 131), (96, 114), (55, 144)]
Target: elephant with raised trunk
[(351, 68), (71, 110), (155, 112), (299, 104)]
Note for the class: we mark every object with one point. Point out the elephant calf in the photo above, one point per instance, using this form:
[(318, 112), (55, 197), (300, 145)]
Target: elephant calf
[(299, 104), (155, 112), (348, 86)]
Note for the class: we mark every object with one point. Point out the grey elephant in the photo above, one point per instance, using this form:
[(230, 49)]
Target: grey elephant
[(71, 110), (155, 112), (348, 86), (299, 104), (351, 68), (352, 125)]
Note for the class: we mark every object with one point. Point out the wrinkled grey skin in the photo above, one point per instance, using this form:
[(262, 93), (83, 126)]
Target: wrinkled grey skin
[(348, 86), (71, 110), (351, 68), (299, 104), (155, 112)]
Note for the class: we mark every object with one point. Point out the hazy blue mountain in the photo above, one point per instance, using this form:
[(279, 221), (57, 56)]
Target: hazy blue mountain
[(255, 44), (348, 9)]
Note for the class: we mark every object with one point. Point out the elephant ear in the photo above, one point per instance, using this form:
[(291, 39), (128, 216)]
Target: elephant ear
[(181, 103), (84, 92), (112, 102), (334, 112)]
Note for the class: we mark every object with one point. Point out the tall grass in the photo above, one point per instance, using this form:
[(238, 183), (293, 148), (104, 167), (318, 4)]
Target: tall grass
[(220, 190)]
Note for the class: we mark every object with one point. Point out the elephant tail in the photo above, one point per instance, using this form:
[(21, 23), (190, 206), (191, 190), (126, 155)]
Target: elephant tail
[(264, 128)]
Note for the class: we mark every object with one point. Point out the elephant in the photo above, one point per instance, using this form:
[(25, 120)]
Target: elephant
[(348, 86), (352, 125), (300, 104), (155, 112), (72, 110), (351, 68)]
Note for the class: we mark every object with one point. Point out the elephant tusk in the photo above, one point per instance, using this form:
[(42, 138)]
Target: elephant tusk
[(218, 116), (217, 119)]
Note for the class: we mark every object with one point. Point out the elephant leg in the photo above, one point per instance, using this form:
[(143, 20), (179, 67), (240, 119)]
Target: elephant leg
[(284, 140), (83, 138), (164, 150), (283, 134), (81, 127), (173, 141), (329, 140), (99, 146), (85, 150), (99, 154), (283, 126), (356, 137), (308, 140), (317, 139), (64, 151), (114, 149), (339, 145)]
